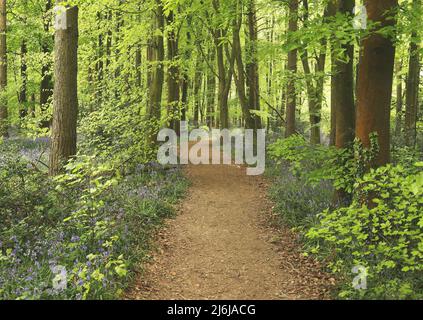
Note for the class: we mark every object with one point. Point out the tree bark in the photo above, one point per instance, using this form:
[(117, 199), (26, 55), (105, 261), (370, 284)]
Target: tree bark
[(413, 81), (155, 56), (3, 70), (252, 66), (211, 93), (315, 90), (375, 78), (46, 86), (172, 74), (291, 96), (65, 99), (240, 71), (23, 100), (399, 102), (197, 86), (225, 72), (344, 87)]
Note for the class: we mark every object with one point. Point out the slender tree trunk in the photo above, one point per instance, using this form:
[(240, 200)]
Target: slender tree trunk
[(252, 65), (240, 74), (344, 87), (343, 95), (225, 72), (399, 102), (46, 86), (23, 100), (375, 78), (138, 74), (222, 98), (211, 93), (155, 55), (173, 74), (65, 99), (291, 96), (197, 86), (184, 96), (413, 81), (3, 70), (315, 91), (100, 64)]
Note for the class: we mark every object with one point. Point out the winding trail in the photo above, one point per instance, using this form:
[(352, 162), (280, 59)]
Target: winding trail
[(220, 247)]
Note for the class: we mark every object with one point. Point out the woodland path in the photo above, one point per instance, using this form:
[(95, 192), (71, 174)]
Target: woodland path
[(220, 246)]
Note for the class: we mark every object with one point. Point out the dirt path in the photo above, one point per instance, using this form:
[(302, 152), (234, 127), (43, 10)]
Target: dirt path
[(219, 248)]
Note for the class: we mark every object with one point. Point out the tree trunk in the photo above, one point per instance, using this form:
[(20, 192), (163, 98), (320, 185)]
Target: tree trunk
[(3, 70), (413, 81), (344, 87), (343, 96), (225, 72), (155, 55), (291, 96), (252, 66), (240, 75), (23, 100), (46, 86), (222, 98), (375, 78), (65, 99), (172, 74), (197, 87), (138, 75), (184, 96), (211, 94), (399, 102), (315, 91)]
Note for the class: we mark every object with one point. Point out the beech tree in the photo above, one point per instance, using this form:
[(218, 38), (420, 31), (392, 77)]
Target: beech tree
[(291, 96), (65, 98), (375, 77), (3, 70)]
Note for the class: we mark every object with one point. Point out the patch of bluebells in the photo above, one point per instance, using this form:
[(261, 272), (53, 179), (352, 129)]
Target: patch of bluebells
[(38, 248)]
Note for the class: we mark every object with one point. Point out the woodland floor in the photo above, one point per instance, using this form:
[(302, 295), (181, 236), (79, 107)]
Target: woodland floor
[(222, 246)]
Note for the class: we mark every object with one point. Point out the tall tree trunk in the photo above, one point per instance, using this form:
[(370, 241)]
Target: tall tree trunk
[(343, 96), (173, 74), (315, 91), (413, 81), (344, 87), (240, 71), (65, 99), (138, 60), (46, 86), (399, 102), (291, 96), (252, 66), (100, 63), (211, 93), (23, 100), (184, 96), (197, 86), (375, 78), (155, 55), (222, 98), (225, 72), (3, 70)]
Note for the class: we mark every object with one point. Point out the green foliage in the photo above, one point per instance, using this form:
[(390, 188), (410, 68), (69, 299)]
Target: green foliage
[(79, 235), (385, 235), (380, 230)]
